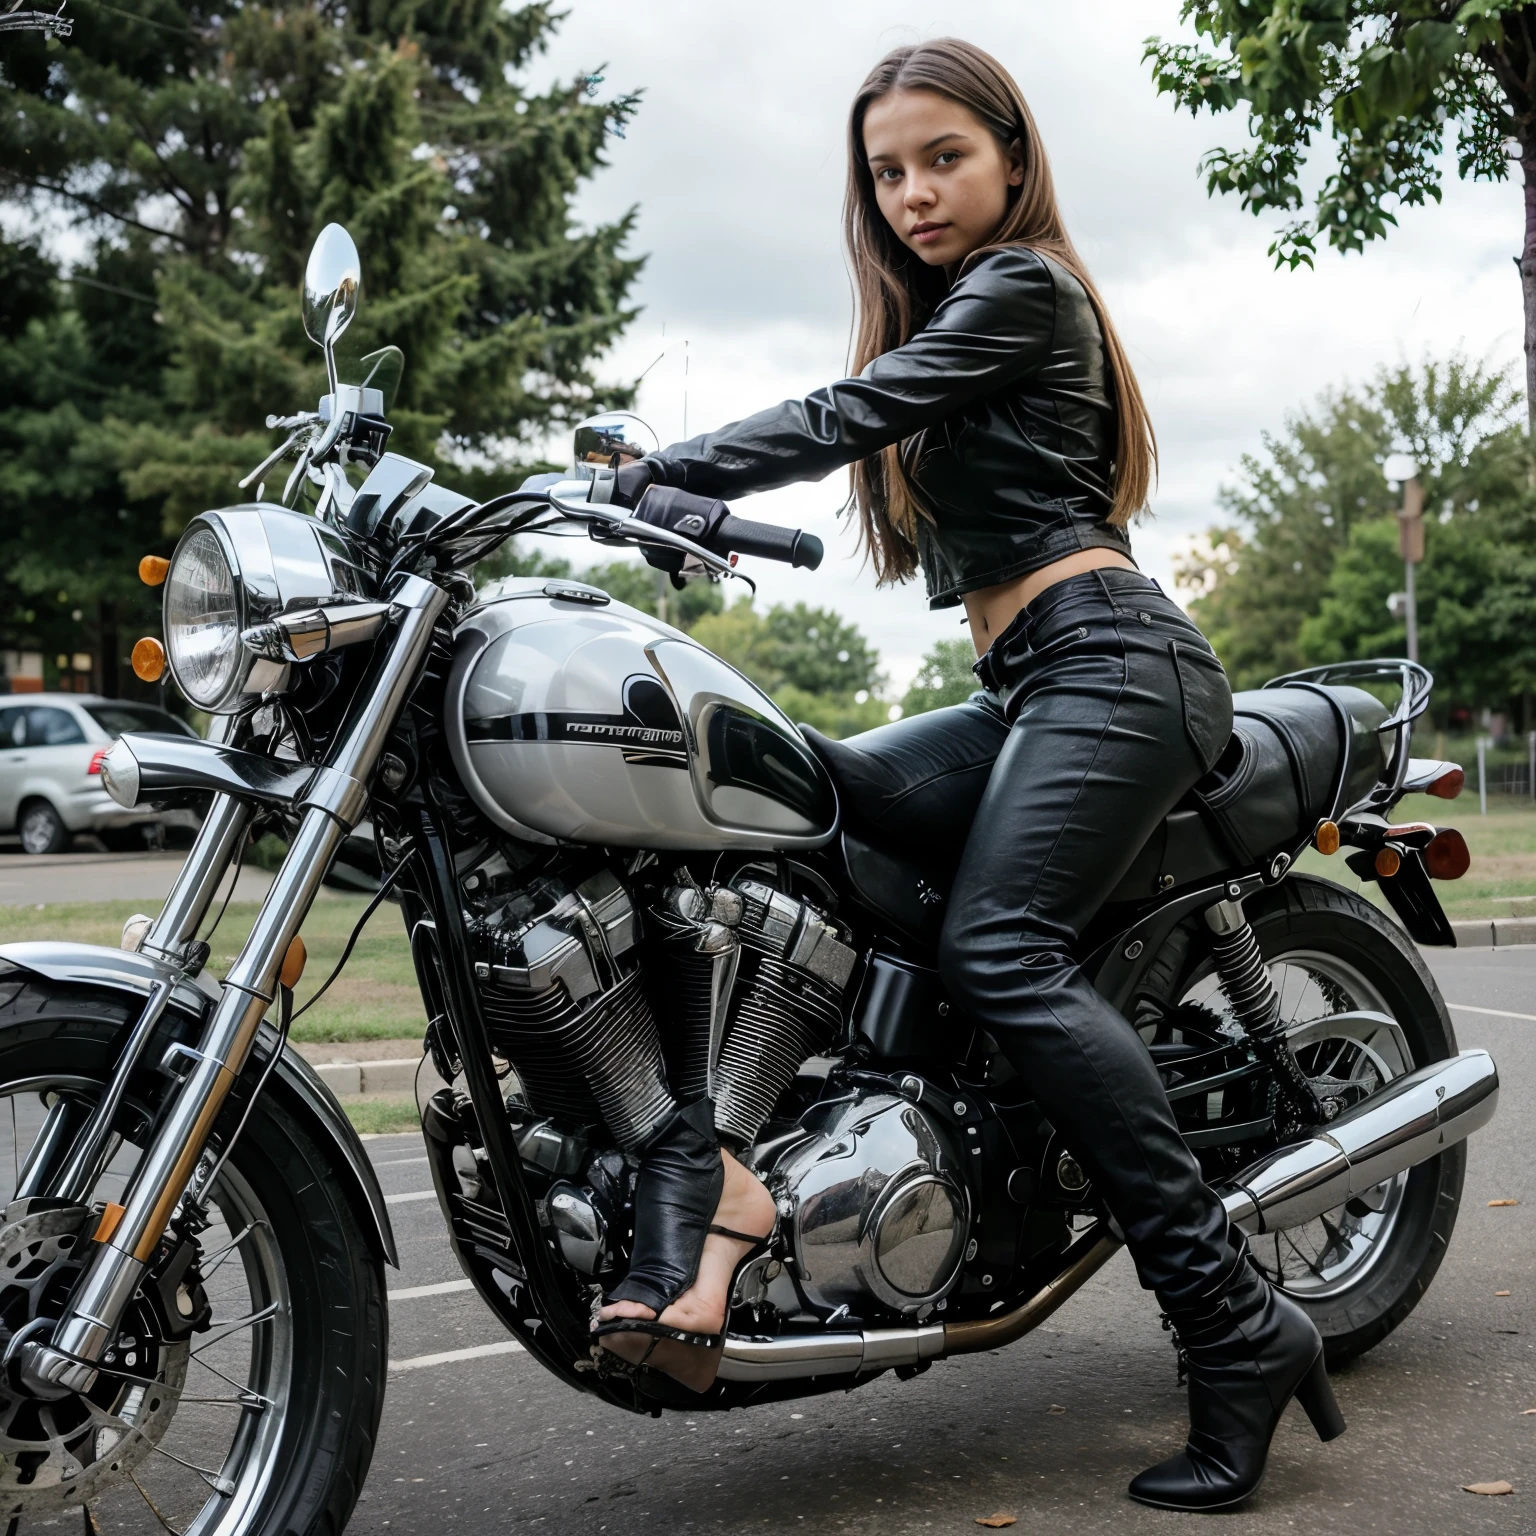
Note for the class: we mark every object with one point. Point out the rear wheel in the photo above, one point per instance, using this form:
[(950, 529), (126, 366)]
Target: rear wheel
[(244, 1392), (1361, 1008), (42, 829)]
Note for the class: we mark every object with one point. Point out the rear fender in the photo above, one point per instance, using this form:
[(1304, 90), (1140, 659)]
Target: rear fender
[(294, 1082)]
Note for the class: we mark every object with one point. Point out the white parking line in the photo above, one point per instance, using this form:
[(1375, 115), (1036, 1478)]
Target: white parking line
[(415, 1194), (449, 1356), (399, 1162), (444, 1288), (1497, 1013)]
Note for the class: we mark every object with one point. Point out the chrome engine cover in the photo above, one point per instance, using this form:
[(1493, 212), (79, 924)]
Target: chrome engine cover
[(877, 1207)]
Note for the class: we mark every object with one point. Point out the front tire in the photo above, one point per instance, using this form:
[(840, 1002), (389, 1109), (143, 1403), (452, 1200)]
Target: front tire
[(295, 1387), (1362, 1269)]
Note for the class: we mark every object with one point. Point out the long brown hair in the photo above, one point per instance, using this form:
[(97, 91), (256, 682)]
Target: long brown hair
[(896, 292)]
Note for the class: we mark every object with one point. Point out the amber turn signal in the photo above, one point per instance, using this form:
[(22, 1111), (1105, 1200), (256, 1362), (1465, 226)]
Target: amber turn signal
[(293, 963), (148, 659), (1388, 862), (1447, 857), (1447, 786), (153, 569), (1326, 838)]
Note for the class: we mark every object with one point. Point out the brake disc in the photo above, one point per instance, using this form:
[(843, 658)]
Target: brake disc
[(54, 1455)]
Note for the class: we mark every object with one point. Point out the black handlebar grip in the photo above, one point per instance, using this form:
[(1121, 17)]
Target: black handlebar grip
[(706, 521), (769, 541)]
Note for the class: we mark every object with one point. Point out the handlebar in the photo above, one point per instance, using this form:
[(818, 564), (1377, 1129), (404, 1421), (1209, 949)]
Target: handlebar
[(710, 523)]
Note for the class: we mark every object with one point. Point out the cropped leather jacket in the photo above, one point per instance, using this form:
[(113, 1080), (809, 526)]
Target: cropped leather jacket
[(1003, 407)]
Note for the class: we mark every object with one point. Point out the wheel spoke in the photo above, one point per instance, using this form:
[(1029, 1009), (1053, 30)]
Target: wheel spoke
[(220, 1255), (154, 1508), (215, 1480), (234, 1325)]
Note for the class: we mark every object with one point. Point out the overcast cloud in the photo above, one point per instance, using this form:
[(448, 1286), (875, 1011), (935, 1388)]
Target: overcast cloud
[(736, 161)]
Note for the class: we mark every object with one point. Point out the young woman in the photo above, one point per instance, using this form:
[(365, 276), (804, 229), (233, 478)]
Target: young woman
[(999, 442)]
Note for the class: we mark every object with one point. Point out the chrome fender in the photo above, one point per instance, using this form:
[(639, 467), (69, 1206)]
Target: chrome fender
[(297, 1085)]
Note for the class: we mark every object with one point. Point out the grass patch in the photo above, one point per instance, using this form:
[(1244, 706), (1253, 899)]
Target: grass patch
[(382, 1116), (375, 998)]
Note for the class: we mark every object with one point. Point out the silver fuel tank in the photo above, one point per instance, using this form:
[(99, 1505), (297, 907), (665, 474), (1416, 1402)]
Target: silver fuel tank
[(574, 718)]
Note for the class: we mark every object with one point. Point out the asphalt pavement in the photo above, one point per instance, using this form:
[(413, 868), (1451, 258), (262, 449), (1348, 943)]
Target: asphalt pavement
[(480, 1439), (28, 880)]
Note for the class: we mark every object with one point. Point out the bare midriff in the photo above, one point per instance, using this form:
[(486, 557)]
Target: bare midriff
[(993, 609)]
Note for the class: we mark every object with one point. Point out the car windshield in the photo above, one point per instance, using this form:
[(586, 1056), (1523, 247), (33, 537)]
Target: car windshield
[(114, 719)]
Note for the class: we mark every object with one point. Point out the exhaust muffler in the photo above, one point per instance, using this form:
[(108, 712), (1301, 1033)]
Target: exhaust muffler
[(1409, 1121)]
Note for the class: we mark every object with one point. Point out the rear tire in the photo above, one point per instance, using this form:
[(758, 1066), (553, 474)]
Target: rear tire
[(1309, 917), (42, 829)]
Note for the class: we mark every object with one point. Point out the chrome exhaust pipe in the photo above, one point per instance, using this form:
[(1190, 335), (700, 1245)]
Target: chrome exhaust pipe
[(1409, 1121)]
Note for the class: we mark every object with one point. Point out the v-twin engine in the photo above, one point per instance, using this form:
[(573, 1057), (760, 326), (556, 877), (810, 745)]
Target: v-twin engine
[(611, 1013)]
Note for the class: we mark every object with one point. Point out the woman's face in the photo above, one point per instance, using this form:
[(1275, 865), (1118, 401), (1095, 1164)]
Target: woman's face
[(941, 176)]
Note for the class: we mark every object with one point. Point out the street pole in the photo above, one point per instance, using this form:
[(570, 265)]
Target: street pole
[(1410, 538), (1530, 763), (1482, 775)]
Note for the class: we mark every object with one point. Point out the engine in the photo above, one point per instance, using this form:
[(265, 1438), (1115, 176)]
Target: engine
[(878, 1210), (612, 1012), (561, 990)]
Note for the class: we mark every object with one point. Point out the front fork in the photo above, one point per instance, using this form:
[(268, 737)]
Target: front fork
[(333, 803)]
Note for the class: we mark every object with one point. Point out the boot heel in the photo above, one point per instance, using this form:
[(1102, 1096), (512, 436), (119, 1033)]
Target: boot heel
[(1315, 1394)]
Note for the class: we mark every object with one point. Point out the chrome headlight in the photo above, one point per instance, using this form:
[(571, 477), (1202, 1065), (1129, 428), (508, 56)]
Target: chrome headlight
[(202, 620), (236, 568)]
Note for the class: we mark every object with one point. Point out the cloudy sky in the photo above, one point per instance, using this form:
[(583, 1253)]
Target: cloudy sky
[(735, 160)]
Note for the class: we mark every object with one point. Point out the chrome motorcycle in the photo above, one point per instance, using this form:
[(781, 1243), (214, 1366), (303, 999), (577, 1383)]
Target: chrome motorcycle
[(624, 877)]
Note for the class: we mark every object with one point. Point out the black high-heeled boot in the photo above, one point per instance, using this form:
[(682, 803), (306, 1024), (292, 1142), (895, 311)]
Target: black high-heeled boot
[(681, 1177), (1249, 1350)]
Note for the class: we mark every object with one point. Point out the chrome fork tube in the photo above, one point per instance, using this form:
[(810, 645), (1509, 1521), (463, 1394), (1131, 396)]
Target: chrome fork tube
[(218, 840), (334, 803)]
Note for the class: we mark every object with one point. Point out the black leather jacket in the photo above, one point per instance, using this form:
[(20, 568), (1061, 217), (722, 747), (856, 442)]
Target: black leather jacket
[(1003, 406)]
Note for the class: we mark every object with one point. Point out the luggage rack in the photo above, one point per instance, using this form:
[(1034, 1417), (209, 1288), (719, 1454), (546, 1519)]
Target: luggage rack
[(1416, 683)]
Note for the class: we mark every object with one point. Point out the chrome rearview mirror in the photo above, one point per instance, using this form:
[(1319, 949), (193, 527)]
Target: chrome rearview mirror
[(610, 441), (333, 277)]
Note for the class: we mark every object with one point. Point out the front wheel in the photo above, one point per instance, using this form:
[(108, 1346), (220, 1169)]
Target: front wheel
[(1361, 1008), (42, 829), (243, 1395)]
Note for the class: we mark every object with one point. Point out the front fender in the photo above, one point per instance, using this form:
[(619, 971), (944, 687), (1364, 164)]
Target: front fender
[(294, 1082)]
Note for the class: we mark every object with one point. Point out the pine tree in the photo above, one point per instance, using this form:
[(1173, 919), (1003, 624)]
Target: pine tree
[(195, 151)]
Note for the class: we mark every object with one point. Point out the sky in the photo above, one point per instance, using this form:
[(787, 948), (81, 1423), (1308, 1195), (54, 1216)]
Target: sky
[(735, 161)]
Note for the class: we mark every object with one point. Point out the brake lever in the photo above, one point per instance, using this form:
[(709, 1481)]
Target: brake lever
[(272, 458), (631, 528), (297, 475)]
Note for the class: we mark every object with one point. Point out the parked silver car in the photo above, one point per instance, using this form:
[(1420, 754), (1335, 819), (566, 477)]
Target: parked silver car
[(51, 747)]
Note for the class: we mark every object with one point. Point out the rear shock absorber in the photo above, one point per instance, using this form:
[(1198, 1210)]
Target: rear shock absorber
[(1246, 980)]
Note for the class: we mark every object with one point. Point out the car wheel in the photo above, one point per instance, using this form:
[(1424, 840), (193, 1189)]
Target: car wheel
[(42, 828)]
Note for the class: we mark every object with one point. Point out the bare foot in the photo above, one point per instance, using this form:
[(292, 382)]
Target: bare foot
[(745, 1206)]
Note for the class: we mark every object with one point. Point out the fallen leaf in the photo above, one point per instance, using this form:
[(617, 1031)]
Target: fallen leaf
[(1525, 1411), (1055, 1408), (1501, 1293), (997, 1521), (1491, 1489), (1493, 1203)]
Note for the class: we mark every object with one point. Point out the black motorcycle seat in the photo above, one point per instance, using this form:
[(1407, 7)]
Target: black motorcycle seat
[(910, 792)]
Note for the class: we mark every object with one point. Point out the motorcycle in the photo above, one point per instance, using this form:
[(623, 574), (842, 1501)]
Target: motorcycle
[(626, 877)]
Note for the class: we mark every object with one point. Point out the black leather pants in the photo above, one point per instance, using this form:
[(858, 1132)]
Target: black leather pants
[(1115, 706)]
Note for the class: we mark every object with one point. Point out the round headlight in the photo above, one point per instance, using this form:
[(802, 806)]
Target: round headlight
[(202, 620)]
